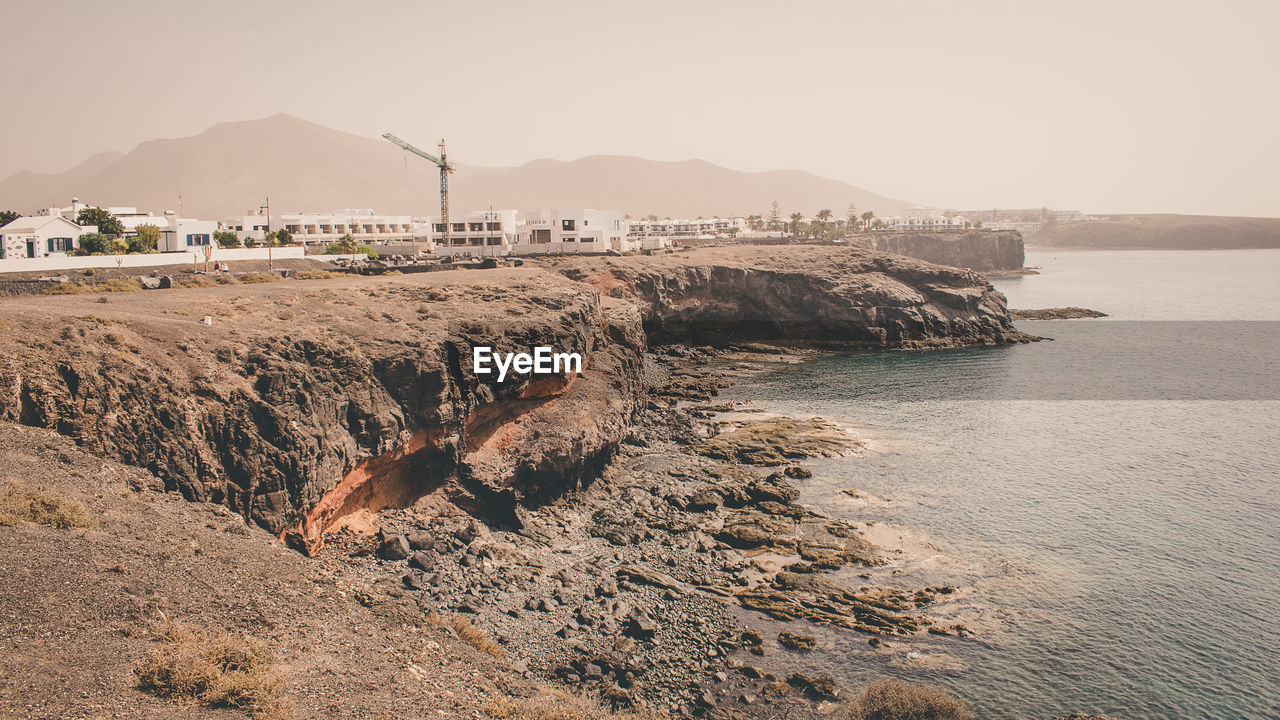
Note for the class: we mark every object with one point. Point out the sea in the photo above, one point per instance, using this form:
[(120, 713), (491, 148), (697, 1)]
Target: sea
[(1107, 500)]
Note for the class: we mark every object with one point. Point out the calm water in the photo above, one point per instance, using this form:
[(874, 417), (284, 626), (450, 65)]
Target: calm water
[(1108, 499)]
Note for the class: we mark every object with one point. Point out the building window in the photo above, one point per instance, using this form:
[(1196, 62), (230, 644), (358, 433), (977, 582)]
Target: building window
[(60, 244), (567, 225), (493, 226), (437, 227), (495, 241), (542, 235), (459, 227), (197, 239), (476, 227), (568, 238)]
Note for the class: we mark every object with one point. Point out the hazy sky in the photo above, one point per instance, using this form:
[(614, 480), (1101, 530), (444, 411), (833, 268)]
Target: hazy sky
[(1102, 106)]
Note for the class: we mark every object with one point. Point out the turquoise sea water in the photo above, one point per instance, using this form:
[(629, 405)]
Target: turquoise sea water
[(1108, 500)]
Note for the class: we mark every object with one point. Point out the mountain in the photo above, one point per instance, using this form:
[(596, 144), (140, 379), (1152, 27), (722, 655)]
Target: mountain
[(1166, 232), (232, 167)]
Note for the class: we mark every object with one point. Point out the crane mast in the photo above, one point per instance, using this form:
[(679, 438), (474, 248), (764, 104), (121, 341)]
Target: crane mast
[(445, 168)]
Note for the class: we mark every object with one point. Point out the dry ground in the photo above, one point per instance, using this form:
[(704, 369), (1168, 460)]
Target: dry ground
[(80, 608)]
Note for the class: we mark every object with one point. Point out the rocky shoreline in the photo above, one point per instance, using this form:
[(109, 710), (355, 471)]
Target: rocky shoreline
[(632, 588), (612, 531)]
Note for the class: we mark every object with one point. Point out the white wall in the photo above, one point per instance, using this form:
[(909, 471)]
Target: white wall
[(53, 264)]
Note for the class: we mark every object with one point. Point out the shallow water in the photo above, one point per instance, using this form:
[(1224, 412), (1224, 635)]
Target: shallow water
[(1108, 499)]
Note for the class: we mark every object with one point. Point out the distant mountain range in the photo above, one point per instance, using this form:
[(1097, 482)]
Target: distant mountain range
[(231, 167)]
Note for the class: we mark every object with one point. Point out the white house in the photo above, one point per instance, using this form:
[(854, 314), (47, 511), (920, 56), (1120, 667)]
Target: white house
[(553, 232), (366, 226), (483, 233), (177, 234), (40, 236)]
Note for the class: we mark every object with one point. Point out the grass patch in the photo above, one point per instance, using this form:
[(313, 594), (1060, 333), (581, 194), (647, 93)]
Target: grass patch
[(315, 275), (20, 504), (890, 699), (195, 281), (259, 277), (471, 635), (214, 669), (111, 285)]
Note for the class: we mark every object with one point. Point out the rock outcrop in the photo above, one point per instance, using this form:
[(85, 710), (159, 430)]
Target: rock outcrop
[(805, 296), (301, 403), (974, 249), (304, 402)]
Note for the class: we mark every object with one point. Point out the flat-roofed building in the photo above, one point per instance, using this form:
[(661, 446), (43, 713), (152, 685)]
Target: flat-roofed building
[(483, 233)]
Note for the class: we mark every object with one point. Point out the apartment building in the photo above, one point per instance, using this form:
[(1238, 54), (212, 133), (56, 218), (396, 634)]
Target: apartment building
[(483, 233), (366, 226), (555, 232), (925, 222), (656, 234)]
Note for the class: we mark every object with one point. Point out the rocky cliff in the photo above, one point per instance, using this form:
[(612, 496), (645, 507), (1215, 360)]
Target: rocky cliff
[(974, 249), (797, 295), (301, 403)]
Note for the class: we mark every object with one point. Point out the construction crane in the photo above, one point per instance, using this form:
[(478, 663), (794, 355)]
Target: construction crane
[(445, 168)]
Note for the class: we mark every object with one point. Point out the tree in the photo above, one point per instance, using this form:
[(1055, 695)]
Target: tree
[(775, 217), (107, 223), (651, 218), (146, 239), (345, 245), (284, 237), (94, 243), (8, 216), (867, 217), (977, 224), (226, 239), (755, 222), (851, 216), (733, 232), (796, 218), (824, 215)]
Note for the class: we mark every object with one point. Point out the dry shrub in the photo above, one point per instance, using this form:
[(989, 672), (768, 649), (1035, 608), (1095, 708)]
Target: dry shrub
[(315, 275), (23, 504), (890, 699), (214, 669), (260, 277), (557, 705), (475, 637), (112, 285), (195, 281)]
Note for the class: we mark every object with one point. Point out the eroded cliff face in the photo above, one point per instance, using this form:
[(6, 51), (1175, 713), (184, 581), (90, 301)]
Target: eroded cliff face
[(974, 249), (303, 402), (807, 296)]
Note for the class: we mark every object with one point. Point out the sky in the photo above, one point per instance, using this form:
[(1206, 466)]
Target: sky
[(1114, 106)]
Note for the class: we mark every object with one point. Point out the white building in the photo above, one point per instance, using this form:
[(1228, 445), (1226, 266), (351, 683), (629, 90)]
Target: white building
[(40, 236), (177, 234), (365, 226), (483, 233), (925, 222), (555, 232), (655, 234)]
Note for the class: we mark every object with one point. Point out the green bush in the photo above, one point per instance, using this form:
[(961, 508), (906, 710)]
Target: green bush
[(226, 239)]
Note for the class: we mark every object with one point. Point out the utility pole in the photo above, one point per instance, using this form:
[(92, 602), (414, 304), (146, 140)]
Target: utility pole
[(267, 234)]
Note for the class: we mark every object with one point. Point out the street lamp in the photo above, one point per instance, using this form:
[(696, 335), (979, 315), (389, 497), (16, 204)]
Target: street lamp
[(267, 235)]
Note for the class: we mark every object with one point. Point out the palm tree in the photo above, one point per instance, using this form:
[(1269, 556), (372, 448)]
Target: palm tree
[(824, 215), (866, 217), (795, 223), (755, 222)]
